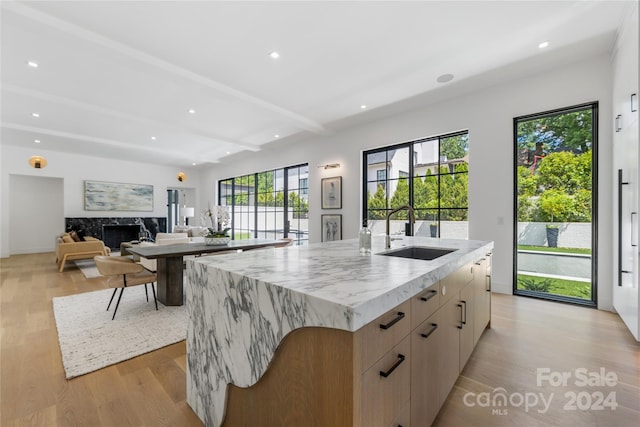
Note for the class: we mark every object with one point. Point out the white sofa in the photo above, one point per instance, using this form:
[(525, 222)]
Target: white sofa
[(162, 239), (191, 230)]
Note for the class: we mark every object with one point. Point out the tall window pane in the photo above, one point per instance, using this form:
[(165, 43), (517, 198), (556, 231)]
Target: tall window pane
[(431, 175), (269, 205)]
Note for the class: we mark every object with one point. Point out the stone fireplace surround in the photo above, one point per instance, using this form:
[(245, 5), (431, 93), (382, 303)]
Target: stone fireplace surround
[(94, 227)]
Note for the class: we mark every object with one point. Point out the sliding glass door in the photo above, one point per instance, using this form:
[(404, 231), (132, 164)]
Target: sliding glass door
[(555, 204)]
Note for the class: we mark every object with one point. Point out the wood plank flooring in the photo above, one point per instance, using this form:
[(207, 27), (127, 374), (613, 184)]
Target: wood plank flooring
[(150, 390)]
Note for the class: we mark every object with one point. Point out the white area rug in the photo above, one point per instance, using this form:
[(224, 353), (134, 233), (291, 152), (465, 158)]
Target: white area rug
[(90, 340)]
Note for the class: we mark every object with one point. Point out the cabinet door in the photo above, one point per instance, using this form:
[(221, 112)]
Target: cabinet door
[(467, 312), (385, 386), (448, 351), (482, 296), (424, 372), (378, 336), (424, 305)]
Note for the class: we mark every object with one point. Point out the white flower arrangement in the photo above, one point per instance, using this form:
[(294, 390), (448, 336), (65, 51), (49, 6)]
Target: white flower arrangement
[(219, 218)]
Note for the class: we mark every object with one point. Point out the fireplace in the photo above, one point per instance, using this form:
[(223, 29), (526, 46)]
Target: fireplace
[(94, 226), (114, 234)]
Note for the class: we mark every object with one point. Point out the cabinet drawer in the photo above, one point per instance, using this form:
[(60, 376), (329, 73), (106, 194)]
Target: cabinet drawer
[(424, 304), (453, 283), (385, 397), (379, 336)]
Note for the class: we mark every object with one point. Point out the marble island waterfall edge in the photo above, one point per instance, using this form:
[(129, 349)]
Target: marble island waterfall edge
[(238, 318)]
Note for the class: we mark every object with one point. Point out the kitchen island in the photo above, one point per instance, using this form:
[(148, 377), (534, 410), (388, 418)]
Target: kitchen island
[(301, 335)]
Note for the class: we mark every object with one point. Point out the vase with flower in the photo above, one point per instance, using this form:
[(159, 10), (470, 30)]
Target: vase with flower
[(218, 217)]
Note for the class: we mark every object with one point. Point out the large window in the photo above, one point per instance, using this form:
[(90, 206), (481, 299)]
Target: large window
[(431, 175), (269, 205)]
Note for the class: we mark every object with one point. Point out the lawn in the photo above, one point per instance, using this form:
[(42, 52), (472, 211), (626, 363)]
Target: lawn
[(568, 288), (586, 251)]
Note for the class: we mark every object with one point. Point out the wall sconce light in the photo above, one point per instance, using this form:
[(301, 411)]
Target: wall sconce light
[(182, 177), (37, 162), (634, 102), (618, 122), (330, 166)]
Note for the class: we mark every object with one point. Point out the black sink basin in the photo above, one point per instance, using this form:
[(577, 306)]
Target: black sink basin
[(419, 252)]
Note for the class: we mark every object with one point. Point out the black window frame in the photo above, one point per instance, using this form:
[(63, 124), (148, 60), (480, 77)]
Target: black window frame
[(301, 238), (411, 160)]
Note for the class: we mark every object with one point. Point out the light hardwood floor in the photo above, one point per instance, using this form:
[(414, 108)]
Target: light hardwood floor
[(149, 390)]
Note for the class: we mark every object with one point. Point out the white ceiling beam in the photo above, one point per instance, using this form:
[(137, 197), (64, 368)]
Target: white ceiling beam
[(104, 141), (135, 54), (118, 114)]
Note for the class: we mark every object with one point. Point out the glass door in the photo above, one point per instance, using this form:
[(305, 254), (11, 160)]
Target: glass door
[(555, 205)]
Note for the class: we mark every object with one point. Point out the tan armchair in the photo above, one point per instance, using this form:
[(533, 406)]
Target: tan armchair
[(69, 250), (122, 273)]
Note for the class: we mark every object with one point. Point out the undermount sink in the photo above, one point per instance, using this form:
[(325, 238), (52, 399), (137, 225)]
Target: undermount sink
[(419, 252)]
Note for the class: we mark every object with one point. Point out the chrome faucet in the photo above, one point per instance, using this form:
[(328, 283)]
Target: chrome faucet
[(412, 219)]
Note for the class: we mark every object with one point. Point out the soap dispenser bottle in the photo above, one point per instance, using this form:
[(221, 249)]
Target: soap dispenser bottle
[(364, 238)]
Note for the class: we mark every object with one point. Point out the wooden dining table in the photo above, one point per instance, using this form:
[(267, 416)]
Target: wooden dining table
[(169, 259)]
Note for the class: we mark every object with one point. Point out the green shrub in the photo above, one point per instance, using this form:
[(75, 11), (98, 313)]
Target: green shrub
[(534, 284)]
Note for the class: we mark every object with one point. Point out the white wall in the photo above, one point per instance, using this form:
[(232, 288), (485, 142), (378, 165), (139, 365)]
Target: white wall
[(74, 170), (488, 115)]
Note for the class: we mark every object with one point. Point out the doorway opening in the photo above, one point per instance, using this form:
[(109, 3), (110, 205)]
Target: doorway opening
[(555, 205)]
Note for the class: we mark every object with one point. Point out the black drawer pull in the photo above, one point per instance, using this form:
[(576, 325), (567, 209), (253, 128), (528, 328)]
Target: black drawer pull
[(480, 262), (432, 293), (393, 368), (434, 326), (463, 314), (398, 318)]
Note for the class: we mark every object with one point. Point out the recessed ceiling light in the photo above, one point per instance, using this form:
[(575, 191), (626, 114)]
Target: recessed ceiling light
[(191, 111), (543, 45), (274, 55), (193, 164), (37, 141), (36, 115), (444, 78), (276, 136), (32, 64), (228, 152), (363, 106), (153, 138)]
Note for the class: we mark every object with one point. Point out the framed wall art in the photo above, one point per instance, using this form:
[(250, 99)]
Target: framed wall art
[(331, 227), (115, 196), (331, 193)]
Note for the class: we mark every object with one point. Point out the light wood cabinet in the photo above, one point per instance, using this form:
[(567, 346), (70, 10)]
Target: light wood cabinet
[(395, 371), (424, 371), (482, 296), (467, 311), (385, 386), (448, 347), (379, 336), (424, 305)]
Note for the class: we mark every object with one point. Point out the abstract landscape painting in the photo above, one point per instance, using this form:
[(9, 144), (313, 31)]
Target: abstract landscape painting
[(115, 196)]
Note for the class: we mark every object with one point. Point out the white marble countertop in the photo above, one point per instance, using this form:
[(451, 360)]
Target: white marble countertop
[(345, 289)]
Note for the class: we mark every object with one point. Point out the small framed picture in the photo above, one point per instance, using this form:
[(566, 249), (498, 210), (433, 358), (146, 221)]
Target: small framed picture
[(634, 102), (331, 227), (332, 193)]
